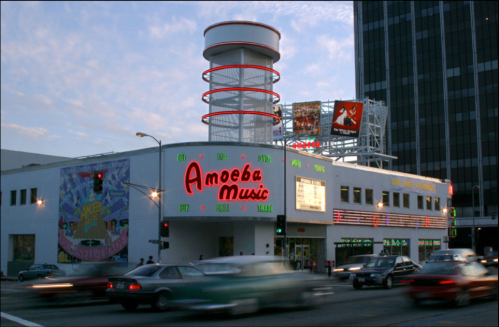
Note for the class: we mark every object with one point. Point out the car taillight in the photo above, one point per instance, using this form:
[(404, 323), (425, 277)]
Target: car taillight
[(408, 281), (109, 285), (445, 282), (135, 287)]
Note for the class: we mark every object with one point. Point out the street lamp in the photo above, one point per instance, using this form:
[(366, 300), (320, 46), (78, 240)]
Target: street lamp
[(158, 193), (473, 237)]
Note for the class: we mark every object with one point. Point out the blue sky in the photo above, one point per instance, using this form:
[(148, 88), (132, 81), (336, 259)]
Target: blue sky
[(81, 78)]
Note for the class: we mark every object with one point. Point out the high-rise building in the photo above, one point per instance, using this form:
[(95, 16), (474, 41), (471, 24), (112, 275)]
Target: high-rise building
[(434, 63)]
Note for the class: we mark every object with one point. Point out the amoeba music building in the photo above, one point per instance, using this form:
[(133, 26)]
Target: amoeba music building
[(221, 199)]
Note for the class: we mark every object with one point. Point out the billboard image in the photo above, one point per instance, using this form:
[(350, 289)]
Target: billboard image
[(347, 117), (93, 226), (306, 118), (277, 130)]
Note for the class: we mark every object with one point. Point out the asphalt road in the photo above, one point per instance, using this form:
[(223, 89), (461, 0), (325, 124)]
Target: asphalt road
[(370, 306)]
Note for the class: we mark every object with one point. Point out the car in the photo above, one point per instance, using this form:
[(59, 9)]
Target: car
[(40, 271), (154, 284), (87, 281), (490, 260), (384, 271), (456, 254), (353, 263), (245, 284), (453, 281)]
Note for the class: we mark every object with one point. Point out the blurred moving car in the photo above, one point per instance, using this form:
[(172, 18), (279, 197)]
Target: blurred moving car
[(385, 271), (490, 260), (453, 255), (453, 281), (155, 284), (353, 263), (245, 284), (40, 271), (87, 281)]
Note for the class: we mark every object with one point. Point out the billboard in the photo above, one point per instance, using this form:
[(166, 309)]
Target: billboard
[(306, 118), (277, 130), (310, 194), (347, 117), (91, 226)]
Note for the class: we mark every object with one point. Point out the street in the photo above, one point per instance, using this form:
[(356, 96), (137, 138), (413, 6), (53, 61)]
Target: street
[(371, 306)]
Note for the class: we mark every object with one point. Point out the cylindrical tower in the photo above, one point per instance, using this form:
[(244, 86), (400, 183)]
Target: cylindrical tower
[(241, 78)]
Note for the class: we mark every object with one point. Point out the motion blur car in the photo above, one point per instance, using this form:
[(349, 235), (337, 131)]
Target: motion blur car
[(385, 271), (353, 263), (245, 284), (87, 281), (156, 285), (453, 281), (40, 271), (490, 260), (453, 255)]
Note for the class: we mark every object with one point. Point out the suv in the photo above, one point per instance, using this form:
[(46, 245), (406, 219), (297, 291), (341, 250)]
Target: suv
[(40, 271)]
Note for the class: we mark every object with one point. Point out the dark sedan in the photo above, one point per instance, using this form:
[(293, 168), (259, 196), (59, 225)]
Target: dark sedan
[(453, 281), (490, 260), (384, 271)]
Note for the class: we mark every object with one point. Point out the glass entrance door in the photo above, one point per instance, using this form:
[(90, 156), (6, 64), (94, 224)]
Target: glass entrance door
[(302, 255)]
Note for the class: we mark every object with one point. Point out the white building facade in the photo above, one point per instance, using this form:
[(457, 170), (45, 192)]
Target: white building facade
[(220, 198)]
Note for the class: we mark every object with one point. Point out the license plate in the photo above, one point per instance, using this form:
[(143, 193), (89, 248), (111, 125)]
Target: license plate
[(120, 285), (362, 280)]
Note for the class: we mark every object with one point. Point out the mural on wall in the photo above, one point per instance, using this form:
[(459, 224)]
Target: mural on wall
[(94, 226)]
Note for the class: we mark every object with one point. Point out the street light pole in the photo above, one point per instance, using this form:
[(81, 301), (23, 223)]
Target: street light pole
[(473, 236), (139, 134)]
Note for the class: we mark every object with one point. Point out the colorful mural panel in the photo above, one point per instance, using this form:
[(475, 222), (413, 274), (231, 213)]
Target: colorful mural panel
[(94, 227)]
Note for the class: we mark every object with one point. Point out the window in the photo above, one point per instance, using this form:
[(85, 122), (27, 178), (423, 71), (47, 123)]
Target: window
[(437, 204), (13, 200), (24, 247), (428, 203), (344, 194), (357, 195), (369, 196), (396, 199), (170, 273), (33, 195), (420, 202), (406, 201), (427, 247), (190, 272), (386, 198), (23, 197), (397, 246)]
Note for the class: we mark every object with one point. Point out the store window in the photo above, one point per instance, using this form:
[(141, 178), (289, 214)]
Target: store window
[(369, 196), (23, 197), (357, 195), (24, 247), (397, 246), (428, 203), (420, 202), (407, 201), (344, 194), (13, 198), (386, 198), (352, 246), (436, 201), (396, 199), (427, 247), (34, 197)]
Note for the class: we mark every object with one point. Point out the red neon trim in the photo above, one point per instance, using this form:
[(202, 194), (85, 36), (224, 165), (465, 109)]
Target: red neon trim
[(283, 159), (294, 145), (244, 208), (202, 207), (375, 221), (203, 119), (427, 223), (196, 168), (308, 165), (243, 156), (206, 72), (200, 156), (250, 89), (238, 22), (451, 189)]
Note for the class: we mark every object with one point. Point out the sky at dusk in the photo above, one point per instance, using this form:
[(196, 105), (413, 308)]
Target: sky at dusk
[(81, 78)]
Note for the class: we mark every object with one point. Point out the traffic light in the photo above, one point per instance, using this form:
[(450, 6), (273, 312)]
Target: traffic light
[(165, 245), (98, 181), (281, 225), (165, 228), (451, 212)]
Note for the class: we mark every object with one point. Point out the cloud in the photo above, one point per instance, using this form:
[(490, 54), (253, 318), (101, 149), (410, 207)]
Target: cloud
[(31, 132), (337, 49), (161, 30)]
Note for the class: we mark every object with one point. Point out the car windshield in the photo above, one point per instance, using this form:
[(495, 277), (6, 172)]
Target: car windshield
[(145, 271), (441, 268), (444, 257), (358, 259), (381, 263), (218, 268), (492, 254)]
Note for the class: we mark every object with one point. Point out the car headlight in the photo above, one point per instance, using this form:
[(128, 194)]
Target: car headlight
[(338, 270), (354, 269), (375, 275), (483, 261), (495, 260)]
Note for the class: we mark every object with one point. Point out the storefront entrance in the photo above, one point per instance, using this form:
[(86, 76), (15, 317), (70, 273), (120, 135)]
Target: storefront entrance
[(302, 255)]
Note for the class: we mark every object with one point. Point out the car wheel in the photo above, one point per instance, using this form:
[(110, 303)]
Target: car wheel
[(357, 286), (388, 283), (244, 306), (462, 298), (161, 302), (130, 306), (21, 278)]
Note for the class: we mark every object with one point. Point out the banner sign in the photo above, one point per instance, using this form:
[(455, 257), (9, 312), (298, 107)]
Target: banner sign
[(347, 117), (411, 185), (93, 227), (277, 129), (310, 194), (306, 118)]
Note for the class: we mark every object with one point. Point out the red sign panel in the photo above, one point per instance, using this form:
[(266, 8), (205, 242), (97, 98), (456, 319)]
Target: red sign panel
[(347, 117)]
